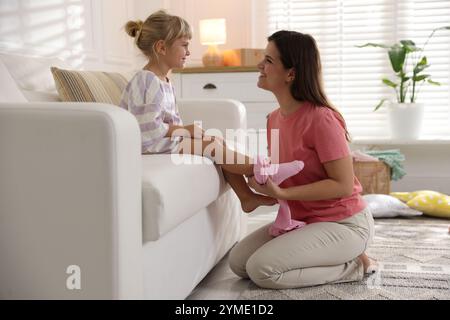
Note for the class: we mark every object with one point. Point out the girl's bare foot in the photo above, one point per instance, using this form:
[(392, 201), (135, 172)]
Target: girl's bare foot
[(370, 266), (254, 201)]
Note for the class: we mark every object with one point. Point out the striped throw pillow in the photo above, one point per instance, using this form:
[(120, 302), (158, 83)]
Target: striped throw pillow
[(89, 86)]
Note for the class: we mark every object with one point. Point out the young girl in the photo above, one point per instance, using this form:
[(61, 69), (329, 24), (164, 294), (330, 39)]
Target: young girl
[(326, 195), (164, 40)]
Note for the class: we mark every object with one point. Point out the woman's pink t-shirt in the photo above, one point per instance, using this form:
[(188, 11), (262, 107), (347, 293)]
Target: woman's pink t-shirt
[(313, 135)]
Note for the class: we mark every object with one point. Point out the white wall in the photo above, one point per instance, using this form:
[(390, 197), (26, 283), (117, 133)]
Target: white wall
[(89, 33), (86, 33), (143, 8), (239, 21)]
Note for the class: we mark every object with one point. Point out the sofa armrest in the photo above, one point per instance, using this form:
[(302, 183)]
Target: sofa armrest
[(219, 114), (220, 117), (70, 195)]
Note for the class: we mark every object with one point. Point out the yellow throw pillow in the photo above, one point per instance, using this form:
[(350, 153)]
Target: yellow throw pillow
[(89, 86), (406, 196), (431, 203)]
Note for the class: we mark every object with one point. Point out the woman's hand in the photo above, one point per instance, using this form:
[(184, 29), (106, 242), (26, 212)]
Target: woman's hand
[(220, 140), (270, 189)]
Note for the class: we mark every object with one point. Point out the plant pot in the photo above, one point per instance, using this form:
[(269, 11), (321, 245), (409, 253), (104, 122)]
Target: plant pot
[(405, 120)]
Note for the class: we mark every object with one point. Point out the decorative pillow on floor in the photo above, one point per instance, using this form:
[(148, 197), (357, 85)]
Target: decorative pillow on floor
[(406, 196), (89, 86), (431, 203), (384, 206)]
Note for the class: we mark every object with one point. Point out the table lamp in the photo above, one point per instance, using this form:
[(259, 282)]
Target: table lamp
[(212, 33)]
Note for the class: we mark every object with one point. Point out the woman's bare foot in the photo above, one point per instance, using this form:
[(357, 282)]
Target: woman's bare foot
[(254, 201), (370, 266)]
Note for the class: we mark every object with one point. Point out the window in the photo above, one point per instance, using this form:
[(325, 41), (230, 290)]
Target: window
[(353, 75)]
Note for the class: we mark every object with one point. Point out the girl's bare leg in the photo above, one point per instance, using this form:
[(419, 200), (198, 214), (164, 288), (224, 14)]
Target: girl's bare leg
[(233, 171), (229, 160), (249, 200)]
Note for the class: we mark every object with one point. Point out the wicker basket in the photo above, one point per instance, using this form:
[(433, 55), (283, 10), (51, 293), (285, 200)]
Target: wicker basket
[(374, 176)]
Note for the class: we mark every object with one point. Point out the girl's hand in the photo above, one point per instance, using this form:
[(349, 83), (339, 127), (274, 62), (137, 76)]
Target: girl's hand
[(195, 131), (270, 189)]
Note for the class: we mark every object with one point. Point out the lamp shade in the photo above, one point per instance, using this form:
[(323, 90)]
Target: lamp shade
[(213, 32)]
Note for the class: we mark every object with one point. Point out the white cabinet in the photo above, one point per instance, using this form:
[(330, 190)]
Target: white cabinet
[(240, 86)]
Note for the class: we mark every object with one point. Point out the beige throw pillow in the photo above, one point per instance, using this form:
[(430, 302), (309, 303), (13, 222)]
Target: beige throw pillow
[(89, 86)]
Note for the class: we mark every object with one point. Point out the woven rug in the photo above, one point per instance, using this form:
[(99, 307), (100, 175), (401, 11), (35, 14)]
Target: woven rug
[(414, 263)]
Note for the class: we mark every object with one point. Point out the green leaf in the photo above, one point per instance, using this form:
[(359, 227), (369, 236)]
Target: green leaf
[(375, 45), (402, 76), (419, 69), (423, 61), (379, 105), (421, 77), (442, 28), (397, 55), (389, 83), (408, 43), (434, 83), (421, 65), (409, 46)]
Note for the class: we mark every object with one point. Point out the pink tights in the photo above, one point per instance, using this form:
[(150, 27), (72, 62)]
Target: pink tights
[(263, 169)]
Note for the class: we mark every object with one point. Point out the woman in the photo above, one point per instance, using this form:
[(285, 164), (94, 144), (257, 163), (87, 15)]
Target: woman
[(325, 194)]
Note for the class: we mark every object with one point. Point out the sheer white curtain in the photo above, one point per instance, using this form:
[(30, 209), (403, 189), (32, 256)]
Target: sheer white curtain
[(353, 75)]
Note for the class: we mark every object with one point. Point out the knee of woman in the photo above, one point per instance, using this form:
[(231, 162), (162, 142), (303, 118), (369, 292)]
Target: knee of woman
[(260, 273), (239, 271), (237, 265)]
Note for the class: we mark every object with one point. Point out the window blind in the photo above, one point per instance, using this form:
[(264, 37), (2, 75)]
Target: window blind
[(352, 75)]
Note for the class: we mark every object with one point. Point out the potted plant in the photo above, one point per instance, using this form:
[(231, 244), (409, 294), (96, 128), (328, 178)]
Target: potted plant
[(408, 63)]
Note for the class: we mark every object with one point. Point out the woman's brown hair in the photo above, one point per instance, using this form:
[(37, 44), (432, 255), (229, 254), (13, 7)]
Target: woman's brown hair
[(299, 51)]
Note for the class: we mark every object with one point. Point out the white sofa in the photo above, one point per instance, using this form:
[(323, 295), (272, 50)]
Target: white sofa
[(75, 192)]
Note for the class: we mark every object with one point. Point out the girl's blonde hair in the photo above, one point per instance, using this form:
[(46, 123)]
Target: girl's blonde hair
[(158, 26)]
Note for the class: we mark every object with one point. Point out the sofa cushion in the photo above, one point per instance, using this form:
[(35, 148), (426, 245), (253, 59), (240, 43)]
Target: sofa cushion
[(39, 96), (172, 193), (32, 73), (9, 92), (89, 86)]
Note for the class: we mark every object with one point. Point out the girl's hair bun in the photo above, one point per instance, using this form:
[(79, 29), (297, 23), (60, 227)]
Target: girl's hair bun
[(133, 27)]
